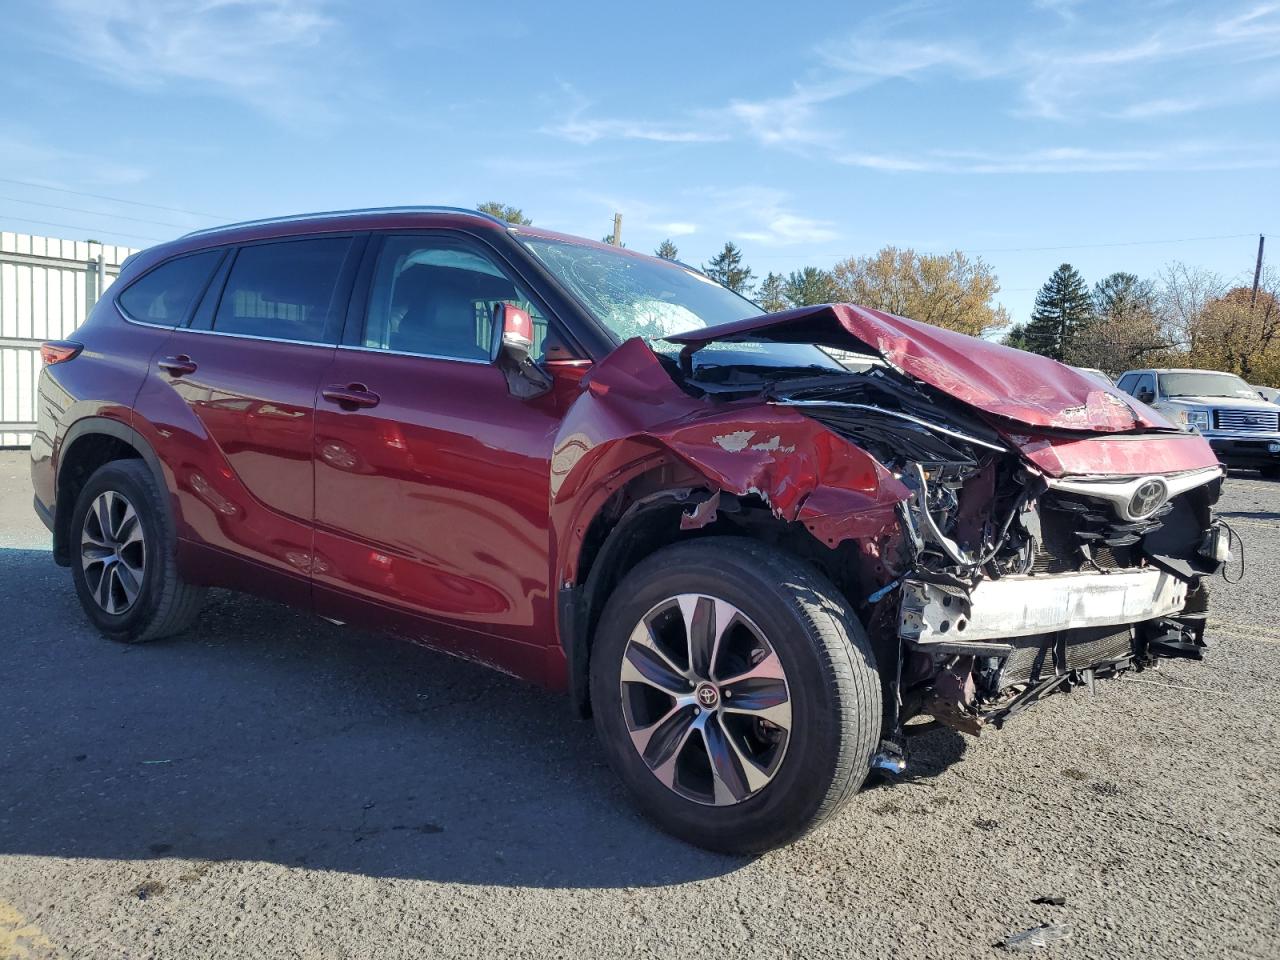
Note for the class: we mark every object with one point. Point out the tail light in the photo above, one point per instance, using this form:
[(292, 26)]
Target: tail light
[(59, 351)]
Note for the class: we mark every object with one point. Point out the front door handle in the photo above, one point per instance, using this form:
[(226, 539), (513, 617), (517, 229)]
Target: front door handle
[(350, 396), (177, 365)]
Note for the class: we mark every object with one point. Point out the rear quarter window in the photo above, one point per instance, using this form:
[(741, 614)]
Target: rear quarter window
[(165, 295)]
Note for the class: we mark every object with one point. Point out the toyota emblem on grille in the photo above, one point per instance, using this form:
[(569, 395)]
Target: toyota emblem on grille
[(1148, 498)]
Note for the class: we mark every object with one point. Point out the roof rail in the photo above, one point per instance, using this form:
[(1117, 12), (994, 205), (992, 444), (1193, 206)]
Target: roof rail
[(296, 217)]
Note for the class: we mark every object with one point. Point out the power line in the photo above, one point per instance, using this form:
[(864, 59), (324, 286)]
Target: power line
[(1121, 243), (96, 213), (72, 226), (99, 196)]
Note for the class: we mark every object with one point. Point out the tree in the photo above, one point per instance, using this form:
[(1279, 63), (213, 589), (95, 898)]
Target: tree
[(1124, 329), (772, 295), (1062, 307), (608, 238), (1016, 337), (504, 212), (1206, 323), (949, 290), (811, 286), (727, 269), (667, 250), (1123, 294)]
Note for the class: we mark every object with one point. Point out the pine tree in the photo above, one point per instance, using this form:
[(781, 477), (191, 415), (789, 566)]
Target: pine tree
[(726, 268), (667, 250), (811, 286), (772, 294), (504, 212), (1062, 306), (1016, 337)]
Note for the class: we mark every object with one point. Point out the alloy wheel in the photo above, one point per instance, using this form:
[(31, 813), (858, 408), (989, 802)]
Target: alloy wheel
[(113, 552), (705, 699)]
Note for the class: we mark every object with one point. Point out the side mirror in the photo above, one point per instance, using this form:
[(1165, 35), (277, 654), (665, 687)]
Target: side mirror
[(525, 379), (1146, 396)]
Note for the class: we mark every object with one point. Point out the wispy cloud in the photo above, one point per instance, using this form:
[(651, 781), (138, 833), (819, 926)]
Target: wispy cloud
[(1176, 156), (26, 151), (678, 228), (577, 127), (262, 52), (764, 215), (1074, 73)]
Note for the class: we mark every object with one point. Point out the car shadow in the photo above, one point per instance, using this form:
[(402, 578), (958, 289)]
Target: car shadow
[(267, 734)]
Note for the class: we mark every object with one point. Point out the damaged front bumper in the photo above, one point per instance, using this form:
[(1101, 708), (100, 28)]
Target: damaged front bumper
[(995, 649), (945, 619)]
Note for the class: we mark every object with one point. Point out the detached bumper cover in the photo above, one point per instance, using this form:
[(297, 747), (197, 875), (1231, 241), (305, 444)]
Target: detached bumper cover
[(996, 610)]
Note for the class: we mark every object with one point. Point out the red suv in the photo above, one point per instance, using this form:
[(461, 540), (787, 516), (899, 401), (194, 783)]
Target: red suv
[(753, 546)]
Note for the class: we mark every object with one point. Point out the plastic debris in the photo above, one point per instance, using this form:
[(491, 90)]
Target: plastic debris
[(1054, 900), (1036, 938)]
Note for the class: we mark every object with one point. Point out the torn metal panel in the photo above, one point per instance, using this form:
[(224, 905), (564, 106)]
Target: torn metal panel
[(998, 380), (632, 411)]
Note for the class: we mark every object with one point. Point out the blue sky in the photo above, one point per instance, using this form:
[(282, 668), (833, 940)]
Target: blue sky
[(804, 132)]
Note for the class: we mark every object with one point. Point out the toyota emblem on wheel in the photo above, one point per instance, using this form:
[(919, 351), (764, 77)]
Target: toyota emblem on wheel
[(708, 696)]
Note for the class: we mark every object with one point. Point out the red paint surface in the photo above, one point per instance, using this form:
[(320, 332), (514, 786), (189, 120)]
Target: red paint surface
[(998, 380), (1118, 456)]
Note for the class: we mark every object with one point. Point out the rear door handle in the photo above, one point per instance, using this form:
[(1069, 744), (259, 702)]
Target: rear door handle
[(177, 365), (350, 396)]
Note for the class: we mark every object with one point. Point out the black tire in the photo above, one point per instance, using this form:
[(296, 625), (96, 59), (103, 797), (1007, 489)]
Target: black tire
[(165, 604), (835, 690), (1270, 473)]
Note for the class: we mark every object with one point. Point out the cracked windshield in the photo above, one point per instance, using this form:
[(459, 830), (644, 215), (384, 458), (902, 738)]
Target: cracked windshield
[(642, 297)]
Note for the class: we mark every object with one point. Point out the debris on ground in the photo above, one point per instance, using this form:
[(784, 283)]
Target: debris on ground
[(1053, 900), (1035, 938)]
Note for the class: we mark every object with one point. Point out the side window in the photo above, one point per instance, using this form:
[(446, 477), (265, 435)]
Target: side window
[(1126, 382), (436, 297), (283, 290), (164, 295), (1146, 385)]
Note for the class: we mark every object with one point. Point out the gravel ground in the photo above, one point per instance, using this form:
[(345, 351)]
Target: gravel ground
[(272, 785)]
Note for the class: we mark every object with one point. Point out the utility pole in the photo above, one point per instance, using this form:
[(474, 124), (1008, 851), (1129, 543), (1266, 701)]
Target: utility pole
[(617, 234), (1257, 272)]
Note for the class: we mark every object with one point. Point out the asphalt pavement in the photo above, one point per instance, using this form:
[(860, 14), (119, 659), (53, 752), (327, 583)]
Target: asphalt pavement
[(272, 785)]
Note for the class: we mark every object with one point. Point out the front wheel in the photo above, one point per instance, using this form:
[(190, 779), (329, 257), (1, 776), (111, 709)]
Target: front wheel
[(735, 693)]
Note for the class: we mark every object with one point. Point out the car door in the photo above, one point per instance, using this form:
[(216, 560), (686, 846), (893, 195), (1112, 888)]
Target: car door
[(234, 397), (432, 480)]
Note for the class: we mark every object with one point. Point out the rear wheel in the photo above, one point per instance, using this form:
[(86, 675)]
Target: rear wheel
[(1270, 472), (123, 561), (735, 694)]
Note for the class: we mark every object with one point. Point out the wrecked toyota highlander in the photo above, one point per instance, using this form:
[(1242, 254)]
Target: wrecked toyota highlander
[(754, 546)]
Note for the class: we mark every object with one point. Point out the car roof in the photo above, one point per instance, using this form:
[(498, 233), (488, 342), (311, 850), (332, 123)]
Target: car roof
[(1225, 373), (364, 218)]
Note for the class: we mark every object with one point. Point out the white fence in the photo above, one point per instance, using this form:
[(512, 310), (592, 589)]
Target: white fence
[(47, 288)]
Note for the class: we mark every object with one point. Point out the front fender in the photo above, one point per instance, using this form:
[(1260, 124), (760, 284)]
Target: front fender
[(631, 417)]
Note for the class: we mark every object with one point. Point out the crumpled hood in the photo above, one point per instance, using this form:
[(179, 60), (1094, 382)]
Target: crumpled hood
[(998, 380)]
